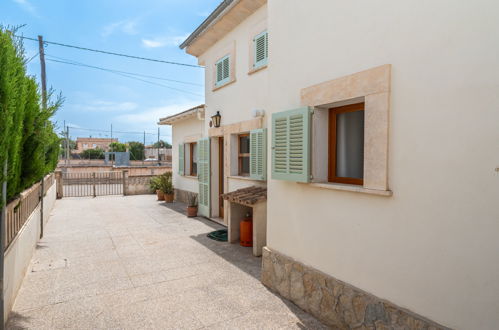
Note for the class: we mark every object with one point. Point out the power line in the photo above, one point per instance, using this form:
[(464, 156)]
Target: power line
[(125, 72), (105, 131), (113, 53), (32, 58), (125, 75)]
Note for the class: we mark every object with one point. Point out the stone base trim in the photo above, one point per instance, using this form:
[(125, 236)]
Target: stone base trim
[(332, 301), (181, 195)]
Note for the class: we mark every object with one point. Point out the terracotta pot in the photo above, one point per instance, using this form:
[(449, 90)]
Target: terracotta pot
[(160, 194), (192, 211), (169, 198)]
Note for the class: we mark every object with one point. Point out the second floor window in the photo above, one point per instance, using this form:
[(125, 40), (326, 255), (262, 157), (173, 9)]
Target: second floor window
[(261, 49), (222, 74)]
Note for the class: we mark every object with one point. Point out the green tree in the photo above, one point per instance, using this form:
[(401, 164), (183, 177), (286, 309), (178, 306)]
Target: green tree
[(162, 144), (93, 154), (117, 147), (27, 138), (136, 150)]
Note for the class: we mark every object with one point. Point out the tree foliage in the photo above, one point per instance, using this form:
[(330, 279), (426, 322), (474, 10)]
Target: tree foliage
[(162, 144), (117, 147), (92, 154), (136, 150), (28, 141)]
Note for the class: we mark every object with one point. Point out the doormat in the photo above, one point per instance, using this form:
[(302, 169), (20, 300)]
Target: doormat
[(218, 235)]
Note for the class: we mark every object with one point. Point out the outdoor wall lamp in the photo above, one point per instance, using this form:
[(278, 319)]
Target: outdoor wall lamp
[(216, 119)]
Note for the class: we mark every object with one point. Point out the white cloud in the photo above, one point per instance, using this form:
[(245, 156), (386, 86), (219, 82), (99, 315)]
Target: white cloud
[(126, 26), (164, 41), (26, 5), (152, 115), (106, 106)]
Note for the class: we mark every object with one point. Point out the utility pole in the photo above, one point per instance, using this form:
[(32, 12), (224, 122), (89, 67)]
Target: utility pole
[(44, 77), (143, 159), (44, 104), (159, 162), (111, 131), (67, 145)]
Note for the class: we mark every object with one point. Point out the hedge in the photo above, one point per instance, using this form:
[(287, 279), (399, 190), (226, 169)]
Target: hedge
[(27, 136)]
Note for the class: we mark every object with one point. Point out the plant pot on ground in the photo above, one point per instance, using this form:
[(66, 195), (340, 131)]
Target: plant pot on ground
[(155, 185), (166, 186), (192, 205)]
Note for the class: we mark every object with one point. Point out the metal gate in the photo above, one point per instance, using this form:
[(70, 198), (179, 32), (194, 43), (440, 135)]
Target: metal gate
[(93, 184)]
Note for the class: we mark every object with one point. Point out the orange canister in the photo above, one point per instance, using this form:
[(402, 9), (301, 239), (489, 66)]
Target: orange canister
[(246, 231)]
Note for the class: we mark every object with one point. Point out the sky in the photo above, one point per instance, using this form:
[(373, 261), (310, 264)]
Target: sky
[(96, 99)]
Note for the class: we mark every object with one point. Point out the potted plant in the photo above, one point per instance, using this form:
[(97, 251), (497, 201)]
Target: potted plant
[(166, 186), (192, 205), (155, 184)]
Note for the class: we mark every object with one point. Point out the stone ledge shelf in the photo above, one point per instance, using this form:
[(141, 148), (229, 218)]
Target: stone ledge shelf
[(351, 188), (244, 200)]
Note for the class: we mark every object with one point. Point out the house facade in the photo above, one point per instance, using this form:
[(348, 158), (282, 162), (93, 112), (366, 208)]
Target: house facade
[(380, 126), (83, 144)]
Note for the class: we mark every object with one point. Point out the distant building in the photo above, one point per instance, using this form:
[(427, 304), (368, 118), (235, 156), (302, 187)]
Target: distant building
[(165, 154), (93, 143)]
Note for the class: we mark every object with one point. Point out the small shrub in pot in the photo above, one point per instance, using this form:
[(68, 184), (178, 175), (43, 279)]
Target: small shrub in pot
[(155, 185), (192, 205), (166, 186)]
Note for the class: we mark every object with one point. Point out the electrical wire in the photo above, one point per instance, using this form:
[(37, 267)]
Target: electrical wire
[(32, 58), (124, 72), (105, 131), (126, 75), (112, 53)]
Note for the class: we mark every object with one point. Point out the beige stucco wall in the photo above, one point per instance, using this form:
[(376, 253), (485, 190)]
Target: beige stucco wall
[(18, 256), (432, 247), (186, 131)]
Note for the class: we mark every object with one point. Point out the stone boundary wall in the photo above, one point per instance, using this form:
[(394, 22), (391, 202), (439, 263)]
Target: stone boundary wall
[(181, 195), (138, 185), (332, 301)]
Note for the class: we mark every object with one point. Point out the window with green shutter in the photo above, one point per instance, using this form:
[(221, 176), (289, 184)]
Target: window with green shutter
[(181, 159), (291, 132), (258, 154), (261, 49), (222, 68), (204, 177)]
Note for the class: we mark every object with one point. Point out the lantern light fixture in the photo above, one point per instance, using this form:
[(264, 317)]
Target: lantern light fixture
[(216, 119)]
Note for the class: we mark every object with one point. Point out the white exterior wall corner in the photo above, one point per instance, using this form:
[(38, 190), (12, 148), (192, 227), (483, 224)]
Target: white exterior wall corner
[(181, 132), (432, 247)]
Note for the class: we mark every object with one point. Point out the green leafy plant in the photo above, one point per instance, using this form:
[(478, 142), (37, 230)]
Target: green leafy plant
[(136, 150), (93, 154), (28, 142), (166, 183), (192, 199), (155, 183)]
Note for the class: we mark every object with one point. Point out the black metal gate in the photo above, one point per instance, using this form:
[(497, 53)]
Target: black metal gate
[(93, 184)]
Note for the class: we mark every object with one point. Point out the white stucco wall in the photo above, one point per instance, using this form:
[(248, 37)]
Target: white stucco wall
[(250, 91), (432, 247), (18, 256), (188, 130)]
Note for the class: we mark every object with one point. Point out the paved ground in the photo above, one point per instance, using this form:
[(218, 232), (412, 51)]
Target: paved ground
[(134, 263)]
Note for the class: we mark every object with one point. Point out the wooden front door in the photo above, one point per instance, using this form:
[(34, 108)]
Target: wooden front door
[(221, 175)]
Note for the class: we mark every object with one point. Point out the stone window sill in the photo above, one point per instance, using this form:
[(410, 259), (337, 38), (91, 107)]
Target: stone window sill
[(190, 177), (247, 178), (255, 70), (216, 88), (350, 187)]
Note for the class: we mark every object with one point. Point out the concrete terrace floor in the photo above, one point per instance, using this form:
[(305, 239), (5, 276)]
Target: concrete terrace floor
[(135, 263)]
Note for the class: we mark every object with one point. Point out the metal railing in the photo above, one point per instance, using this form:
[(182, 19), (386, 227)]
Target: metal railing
[(93, 184), (20, 209)]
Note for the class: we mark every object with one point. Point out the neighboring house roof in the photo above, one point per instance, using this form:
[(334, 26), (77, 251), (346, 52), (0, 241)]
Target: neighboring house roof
[(192, 112), (222, 20), (96, 140)]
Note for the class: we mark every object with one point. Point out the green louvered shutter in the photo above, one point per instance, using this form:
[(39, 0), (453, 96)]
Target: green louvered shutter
[(258, 154), (204, 177), (261, 49), (291, 132), (222, 68), (181, 158)]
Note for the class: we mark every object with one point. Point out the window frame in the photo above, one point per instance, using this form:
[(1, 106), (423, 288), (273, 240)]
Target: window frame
[(240, 155), (332, 143), (227, 79), (191, 160), (264, 62)]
